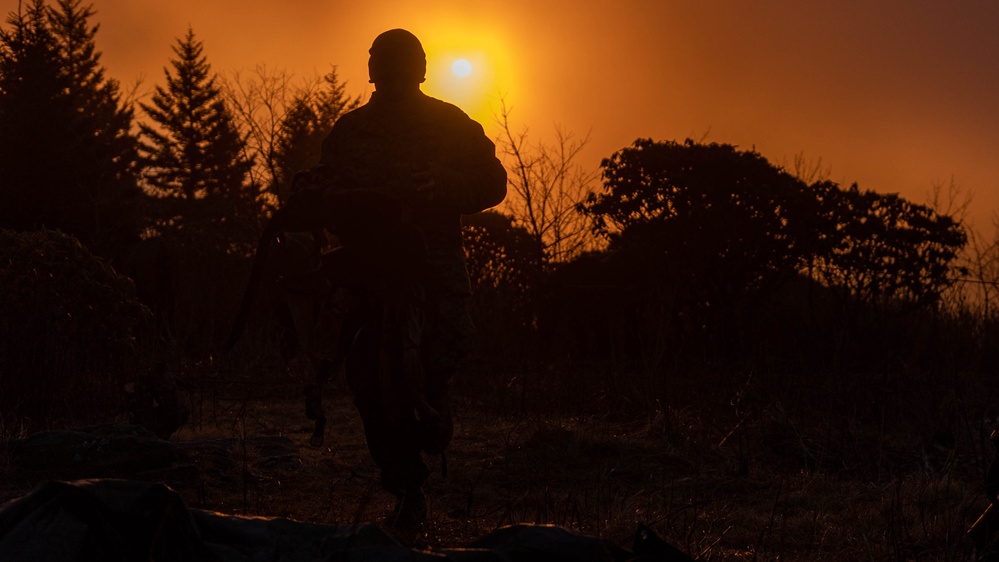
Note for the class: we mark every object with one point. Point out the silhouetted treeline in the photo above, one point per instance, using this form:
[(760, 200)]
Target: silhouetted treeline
[(171, 191), (717, 260), (711, 257), (68, 158), (195, 169)]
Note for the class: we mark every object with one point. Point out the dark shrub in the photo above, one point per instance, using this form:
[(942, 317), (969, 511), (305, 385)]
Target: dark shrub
[(70, 328)]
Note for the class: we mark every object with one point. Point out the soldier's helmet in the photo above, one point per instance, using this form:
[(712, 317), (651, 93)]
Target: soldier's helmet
[(397, 56)]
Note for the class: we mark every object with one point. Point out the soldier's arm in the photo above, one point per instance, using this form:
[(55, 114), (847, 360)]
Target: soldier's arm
[(474, 179), (328, 155)]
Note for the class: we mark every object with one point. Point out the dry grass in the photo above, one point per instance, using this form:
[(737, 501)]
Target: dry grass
[(719, 486)]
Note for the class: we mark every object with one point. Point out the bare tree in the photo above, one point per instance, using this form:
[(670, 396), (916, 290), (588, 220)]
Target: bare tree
[(981, 280), (977, 288), (546, 184), (977, 283), (259, 100), (949, 199), (285, 119), (808, 171)]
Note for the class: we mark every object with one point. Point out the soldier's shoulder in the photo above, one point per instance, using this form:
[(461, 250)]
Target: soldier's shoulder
[(353, 116), (441, 108), (348, 125)]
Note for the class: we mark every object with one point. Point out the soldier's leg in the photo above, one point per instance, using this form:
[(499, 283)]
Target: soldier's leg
[(391, 432), (314, 400), (447, 339), (334, 328)]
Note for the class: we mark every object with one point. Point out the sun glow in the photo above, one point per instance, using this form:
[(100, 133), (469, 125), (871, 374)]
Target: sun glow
[(469, 68)]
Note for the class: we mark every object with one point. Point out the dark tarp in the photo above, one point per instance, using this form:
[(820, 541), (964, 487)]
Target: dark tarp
[(129, 520)]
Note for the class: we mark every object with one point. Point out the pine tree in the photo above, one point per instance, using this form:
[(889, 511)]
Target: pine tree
[(95, 94), (309, 119), (194, 151), (67, 155)]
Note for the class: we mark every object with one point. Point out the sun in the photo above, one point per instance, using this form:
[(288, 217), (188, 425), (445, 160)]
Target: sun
[(468, 66), (461, 68)]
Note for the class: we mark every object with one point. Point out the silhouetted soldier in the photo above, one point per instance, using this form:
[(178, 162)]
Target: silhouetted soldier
[(429, 163)]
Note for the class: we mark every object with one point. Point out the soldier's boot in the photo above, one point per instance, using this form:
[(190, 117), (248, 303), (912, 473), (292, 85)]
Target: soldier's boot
[(318, 432), (314, 411), (313, 402), (436, 431), (406, 520)]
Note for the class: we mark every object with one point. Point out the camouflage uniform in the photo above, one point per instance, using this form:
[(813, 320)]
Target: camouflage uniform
[(385, 146)]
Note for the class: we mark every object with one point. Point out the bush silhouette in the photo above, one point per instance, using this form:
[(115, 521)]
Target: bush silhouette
[(70, 330)]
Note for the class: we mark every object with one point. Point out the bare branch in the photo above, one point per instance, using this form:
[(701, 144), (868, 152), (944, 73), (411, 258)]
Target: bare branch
[(546, 183)]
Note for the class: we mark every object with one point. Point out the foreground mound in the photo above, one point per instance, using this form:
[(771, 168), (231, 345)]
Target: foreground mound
[(130, 520)]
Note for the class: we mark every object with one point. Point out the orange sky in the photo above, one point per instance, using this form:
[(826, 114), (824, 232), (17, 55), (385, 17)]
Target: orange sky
[(896, 95)]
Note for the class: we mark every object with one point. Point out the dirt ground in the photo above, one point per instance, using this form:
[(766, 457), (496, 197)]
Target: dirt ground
[(499, 470), (714, 490)]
